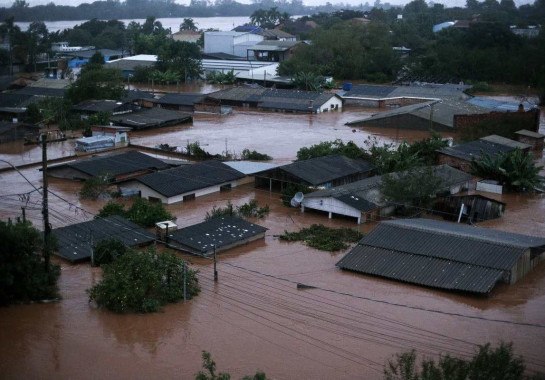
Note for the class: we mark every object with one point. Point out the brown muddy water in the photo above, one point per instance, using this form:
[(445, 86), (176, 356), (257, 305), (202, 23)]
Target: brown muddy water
[(254, 318)]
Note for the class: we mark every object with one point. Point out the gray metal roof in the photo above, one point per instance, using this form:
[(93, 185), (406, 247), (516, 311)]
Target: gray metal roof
[(505, 141), (151, 118), (75, 241), (440, 112), (421, 270), (99, 106), (369, 91), (239, 94), (270, 45), (441, 244), (42, 91), (478, 233), (439, 254), (320, 170), (192, 177), (117, 164), (424, 91), (184, 99), (475, 149), (365, 194), (525, 132), (222, 232), (13, 100)]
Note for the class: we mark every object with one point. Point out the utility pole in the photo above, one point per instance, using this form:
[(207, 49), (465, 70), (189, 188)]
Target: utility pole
[(185, 281), (215, 270), (45, 207)]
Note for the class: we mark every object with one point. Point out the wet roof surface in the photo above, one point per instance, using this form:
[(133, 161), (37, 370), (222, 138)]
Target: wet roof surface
[(75, 241), (220, 232), (187, 178)]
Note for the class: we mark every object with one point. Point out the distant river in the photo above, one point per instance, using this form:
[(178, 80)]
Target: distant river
[(221, 23)]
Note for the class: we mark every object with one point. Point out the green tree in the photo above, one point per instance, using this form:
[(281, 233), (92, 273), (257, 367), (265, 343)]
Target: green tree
[(209, 371), (188, 24), (181, 57), (23, 276), (487, 363), (143, 282), (107, 251), (516, 170), (328, 148), (146, 213), (96, 83), (268, 19), (416, 187), (96, 59)]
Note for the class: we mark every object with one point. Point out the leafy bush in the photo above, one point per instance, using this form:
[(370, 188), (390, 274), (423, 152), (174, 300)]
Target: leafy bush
[(143, 282), (22, 272), (107, 251), (142, 212), (247, 210), (95, 187), (324, 238), (209, 373), (194, 150), (516, 170), (327, 148), (487, 363), (216, 77), (254, 155)]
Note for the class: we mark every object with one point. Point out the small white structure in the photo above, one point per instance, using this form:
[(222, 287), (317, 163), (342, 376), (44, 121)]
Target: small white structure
[(103, 138), (234, 43), (489, 186), (63, 47)]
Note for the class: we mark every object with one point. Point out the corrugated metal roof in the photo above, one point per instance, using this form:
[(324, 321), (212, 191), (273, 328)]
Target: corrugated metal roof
[(321, 170), (151, 118), (421, 270), (525, 132), (478, 233), (184, 99), (475, 149), (358, 202), (439, 254), (75, 241), (192, 177), (220, 232), (440, 244), (118, 164), (505, 141)]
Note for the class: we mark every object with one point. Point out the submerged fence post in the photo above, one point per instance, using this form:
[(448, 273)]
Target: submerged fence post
[(185, 281)]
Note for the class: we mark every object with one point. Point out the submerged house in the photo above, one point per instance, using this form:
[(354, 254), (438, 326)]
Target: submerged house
[(187, 182), (319, 172), (217, 234), (75, 242), (277, 100), (149, 118), (444, 255), (460, 156), (363, 199), (118, 167)]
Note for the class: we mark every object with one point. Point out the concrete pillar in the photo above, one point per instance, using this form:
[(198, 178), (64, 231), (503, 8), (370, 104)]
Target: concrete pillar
[(330, 215), (302, 207)]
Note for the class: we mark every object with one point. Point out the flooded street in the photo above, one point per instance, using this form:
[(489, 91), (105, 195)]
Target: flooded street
[(347, 327)]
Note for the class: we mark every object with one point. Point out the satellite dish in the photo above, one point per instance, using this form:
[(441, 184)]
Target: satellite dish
[(297, 199)]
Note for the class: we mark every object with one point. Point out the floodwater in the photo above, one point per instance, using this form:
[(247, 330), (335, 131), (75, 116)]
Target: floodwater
[(254, 318)]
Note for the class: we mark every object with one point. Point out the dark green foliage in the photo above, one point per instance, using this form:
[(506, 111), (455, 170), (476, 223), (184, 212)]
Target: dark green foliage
[(415, 187), (247, 210), (99, 118), (217, 77), (96, 82), (180, 57), (95, 187), (142, 212), (194, 150), (23, 276), (143, 282), (107, 251), (516, 170), (209, 371), (324, 238), (308, 81), (96, 59), (327, 148), (253, 155), (290, 190), (268, 18), (488, 363), (112, 208), (146, 213)]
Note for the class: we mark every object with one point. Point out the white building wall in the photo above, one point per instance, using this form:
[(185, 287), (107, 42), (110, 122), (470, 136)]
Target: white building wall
[(146, 192), (218, 43), (334, 101), (332, 205)]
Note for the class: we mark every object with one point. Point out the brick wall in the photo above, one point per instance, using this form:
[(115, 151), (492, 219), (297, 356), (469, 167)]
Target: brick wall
[(527, 120), (455, 162)]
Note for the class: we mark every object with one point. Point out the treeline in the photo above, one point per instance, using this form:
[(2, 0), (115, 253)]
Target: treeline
[(130, 9), (353, 45)]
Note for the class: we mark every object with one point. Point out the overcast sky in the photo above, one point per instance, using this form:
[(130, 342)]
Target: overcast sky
[(450, 3)]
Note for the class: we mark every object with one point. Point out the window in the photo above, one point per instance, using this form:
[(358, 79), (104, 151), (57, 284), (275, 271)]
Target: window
[(188, 197)]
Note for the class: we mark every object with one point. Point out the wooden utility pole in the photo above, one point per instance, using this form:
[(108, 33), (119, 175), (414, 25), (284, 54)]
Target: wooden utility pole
[(215, 270), (45, 206), (185, 281)]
